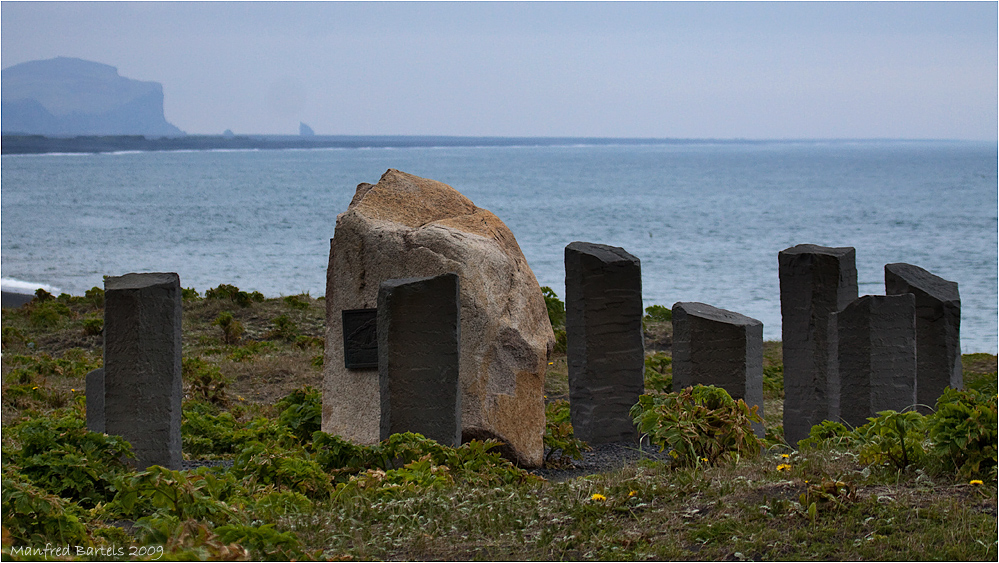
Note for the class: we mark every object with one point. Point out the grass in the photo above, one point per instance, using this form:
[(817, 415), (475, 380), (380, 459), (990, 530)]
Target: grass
[(749, 510), (745, 511), (262, 367)]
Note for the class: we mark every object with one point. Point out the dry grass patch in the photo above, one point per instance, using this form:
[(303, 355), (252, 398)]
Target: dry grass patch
[(267, 379)]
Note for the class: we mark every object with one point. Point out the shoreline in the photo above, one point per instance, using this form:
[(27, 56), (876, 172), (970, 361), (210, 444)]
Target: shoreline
[(14, 299), (24, 144)]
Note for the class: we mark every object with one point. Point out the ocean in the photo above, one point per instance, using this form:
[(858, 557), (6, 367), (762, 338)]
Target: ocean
[(706, 219)]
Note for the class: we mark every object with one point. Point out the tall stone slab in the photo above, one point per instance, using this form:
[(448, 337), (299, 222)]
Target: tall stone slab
[(142, 373), (95, 401), (419, 327), (877, 356), (712, 346), (938, 330), (815, 281), (606, 354), (404, 227)]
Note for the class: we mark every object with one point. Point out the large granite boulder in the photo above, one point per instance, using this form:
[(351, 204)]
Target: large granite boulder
[(404, 227)]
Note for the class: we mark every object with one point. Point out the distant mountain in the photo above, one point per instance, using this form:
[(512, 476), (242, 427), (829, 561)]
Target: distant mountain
[(66, 96)]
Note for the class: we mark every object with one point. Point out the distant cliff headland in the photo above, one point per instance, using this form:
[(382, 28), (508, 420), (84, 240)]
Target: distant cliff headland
[(66, 96), (67, 105)]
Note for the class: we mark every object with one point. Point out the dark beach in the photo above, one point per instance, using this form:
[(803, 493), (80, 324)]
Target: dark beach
[(14, 299)]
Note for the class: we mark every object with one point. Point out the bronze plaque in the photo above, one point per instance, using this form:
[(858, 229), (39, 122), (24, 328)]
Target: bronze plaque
[(360, 338)]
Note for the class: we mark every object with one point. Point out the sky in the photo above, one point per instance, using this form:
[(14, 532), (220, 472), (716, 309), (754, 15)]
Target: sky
[(739, 70)]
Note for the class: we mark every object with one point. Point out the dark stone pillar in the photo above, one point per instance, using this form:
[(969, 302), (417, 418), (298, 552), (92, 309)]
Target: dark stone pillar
[(938, 330), (815, 281), (713, 346), (142, 376), (877, 356), (606, 354), (95, 401), (419, 343)]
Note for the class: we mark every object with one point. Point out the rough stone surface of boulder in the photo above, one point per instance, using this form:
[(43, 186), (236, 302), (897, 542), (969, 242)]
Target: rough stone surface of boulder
[(406, 226)]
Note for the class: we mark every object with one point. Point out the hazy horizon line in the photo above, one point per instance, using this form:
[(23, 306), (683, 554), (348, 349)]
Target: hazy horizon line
[(319, 136)]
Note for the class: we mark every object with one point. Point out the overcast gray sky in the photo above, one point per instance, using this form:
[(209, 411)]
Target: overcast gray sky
[(621, 69)]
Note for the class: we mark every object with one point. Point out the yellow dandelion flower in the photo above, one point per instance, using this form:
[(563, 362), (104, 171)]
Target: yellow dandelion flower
[(73, 390), (786, 456), (704, 459), (35, 387), (598, 496), (784, 467), (632, 493), (551, 363), (975, 482)]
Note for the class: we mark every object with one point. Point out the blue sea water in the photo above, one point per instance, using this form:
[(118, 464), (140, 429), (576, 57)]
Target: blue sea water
[(706, 219)]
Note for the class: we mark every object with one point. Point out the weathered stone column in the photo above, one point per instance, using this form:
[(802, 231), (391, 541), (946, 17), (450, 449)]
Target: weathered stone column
[(815, 281), (419, 342), (142, 376), (606, 352), (712, 346), (877, 356), (938, 330), (95, 401)]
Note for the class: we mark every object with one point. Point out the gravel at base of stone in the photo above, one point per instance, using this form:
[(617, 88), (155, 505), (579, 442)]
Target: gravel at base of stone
[(603, 458), (189, 464)]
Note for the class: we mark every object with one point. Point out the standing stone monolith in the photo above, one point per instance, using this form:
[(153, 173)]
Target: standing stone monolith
[(815, 281), (877, 356), (404, 227), (938, 330), (95, 401), (712, 346), (605, 348), (142, 373), (419, 345)]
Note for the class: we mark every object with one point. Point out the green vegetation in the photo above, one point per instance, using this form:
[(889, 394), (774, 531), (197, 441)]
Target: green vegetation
[(556, 314), (560, 442), (658, 314), (958, 438), (231, 328), (659, 372), (699, 424), (904, 486), (232, 293)]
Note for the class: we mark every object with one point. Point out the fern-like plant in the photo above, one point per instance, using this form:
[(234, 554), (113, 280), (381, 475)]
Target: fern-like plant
[(699, 424)]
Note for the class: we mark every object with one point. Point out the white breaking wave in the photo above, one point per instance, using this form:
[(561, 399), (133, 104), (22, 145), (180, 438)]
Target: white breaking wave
[(18, 286)]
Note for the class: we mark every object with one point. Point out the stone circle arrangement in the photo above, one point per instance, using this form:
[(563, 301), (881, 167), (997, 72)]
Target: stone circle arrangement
[(436, 324)]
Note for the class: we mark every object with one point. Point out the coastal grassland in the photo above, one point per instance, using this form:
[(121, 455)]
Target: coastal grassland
[(272, 347), (648, 511), (252, 368)]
